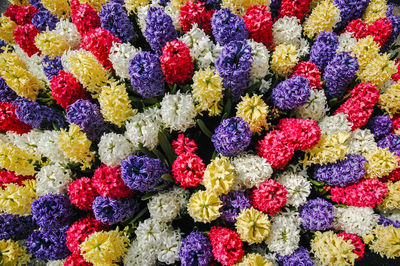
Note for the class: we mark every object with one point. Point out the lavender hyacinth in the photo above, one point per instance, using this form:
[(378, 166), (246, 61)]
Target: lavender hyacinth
[(195, 250), (324, 49), (391, 141), (291, 93), (227, 27), (317, 214), (51, 67), (114, 18), (37, 115), (16, 227), (350, 10), (142, 173), (233, 65), (339, 73), (387, 222), (232, 204), (232, 136), (380, 126), (49, 244), (44, 20), (6, 93), (146, 75), (159, 29), (111, 211), (52, 211), (342, 173), (300, 257), (88, 117)]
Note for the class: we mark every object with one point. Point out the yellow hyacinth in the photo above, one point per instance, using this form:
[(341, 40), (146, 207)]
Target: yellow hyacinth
[(114, 102), (365, 50), (329, 149), (21, 161), (390, 100), (379, 70), (13, 254), (322, 18), (104, 248), (381, 162), (252, 225), (88, 71), (386, 241), (392, 198), (207, 91), (51, 43), (96, 4), (254, 111), (375, 10), (132, 5), (76, 146), (240, 6), (284, 59), (60, 8), (219, 175), (332, 249), (7, 27), (17, 199), (177, 4), (204, 206), (253, 259)]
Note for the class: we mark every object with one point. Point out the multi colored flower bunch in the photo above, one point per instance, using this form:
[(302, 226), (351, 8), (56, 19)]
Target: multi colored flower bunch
[(194, 132)]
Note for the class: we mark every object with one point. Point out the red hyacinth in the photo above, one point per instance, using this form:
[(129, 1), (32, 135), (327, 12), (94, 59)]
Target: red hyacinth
[(381, 30), (188, 170), (24, 36), (269, 197), (9, 120), (21, 15), (84, 17), (108, 183), (176, 62), (301, 133), (356, 241), (227, 247), (192, 12), (259, 24), (76, 259), (183, 144), (7, 177), (310, 71), (294, 8), (82, 193)]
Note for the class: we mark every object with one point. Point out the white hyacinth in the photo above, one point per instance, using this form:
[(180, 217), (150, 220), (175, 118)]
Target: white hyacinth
[(27, 141), (143, 128), (332, 124), (178, 111), (33, 63), (251, 170), (174, 14), (346, 42), (167, 205), (170, 244), (70, 34), (260, 64), (53, 179), (362, 141), (297, 186), (284, 236), (55, 263), (48, 146), (113, 148), (120, 56), (355, 220), (315, 108), (140, 254)]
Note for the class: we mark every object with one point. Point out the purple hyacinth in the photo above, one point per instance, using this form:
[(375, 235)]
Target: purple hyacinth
[(317, 214), (16, 227), (380, 126), (159, 29), (232, 136), (114, 18), (324, 49), (142, 173), (232, 204), (350, 10), (6, 93), (37, 4), (51, 67), (391, 141), (339, 73), (146, 75), (111, 211), (3, 45), (342, 173), (37, 115), (44, 20), (300, 257), (387, 222), (88, 117), (227, 26), (49, 244), (52, 211), (395, 20), (233, 65), (163, 2), (291, 93), (195, 250), (212, 4), (275, 6)]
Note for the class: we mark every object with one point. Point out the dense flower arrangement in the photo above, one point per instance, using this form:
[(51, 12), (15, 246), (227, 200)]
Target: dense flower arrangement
[(199, 132)]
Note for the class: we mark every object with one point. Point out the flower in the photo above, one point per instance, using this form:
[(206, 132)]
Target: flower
[(391, 200), (355, 220), (252, 225), (232, 204), (104, 248), (7, 27), (310, 71), (219, 175), (24, 36), (21, 161), (12, 253), (73, 259), (176, 62), (188, 170), (66, 89), (291, 93), (297, 186), (226, 245), (15, 227), (375, 10), (48, 244), (142, 173), (195, 13), (254, 111), (112, 211), (9, 120), (315, 108), (299, 256), (365, 50), (183, 145), (254, 259), (347, 41), (381, 162), (85, 18), (356, 242), (361, 141), (51, 43), (391, 141), (195, 248), (167, 205), (120, 55), (389, 100), (269, 197), (228, 27), (260, 65), (284, 59), (380, 126), (379, 70), (61, 8), (204, 206), (16, 199), (82, 193), (259, 24), (297, 9), (232, 136), (44, 20), (113, 148), (178, 111), (108, 183), (52, 179), (385, 239), (323, 49), (51, 66), (350, 10), (317, 214)]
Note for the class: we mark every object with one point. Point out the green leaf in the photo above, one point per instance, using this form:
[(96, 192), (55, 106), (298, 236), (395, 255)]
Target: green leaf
[(166, 147), (228, 105), (160, 156), (204, 128), (55, 127), (147, 196), (145, 151), (167, 177)]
